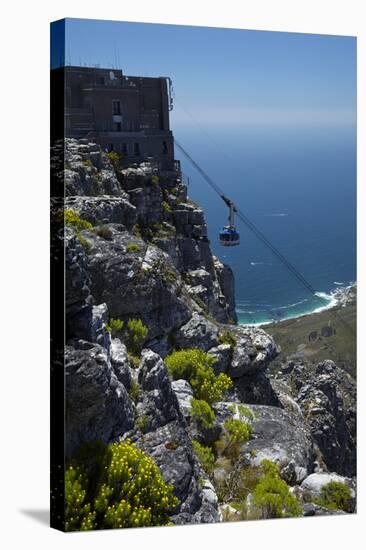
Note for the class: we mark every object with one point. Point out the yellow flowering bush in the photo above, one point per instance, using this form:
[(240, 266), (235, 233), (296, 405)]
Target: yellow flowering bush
[(124, 489), (72, 219)]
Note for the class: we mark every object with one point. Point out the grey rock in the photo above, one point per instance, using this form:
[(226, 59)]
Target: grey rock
[(199, 332), (100, 334), (103, 209), (78, 298), (97, 404), (121, 363), (171, 448), (223, 355), (326, 396), (184, 394), (277, 435), (88, 171), (137, 284), (315, 482), (159, 405)]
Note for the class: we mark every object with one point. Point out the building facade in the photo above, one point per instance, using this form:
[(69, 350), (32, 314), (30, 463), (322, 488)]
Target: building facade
[(126, 114)]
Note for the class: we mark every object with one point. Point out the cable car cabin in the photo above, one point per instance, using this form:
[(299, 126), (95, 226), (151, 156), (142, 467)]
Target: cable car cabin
[(228, 236)]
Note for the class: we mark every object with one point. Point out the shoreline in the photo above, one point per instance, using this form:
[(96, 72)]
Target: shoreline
[(340, 296)]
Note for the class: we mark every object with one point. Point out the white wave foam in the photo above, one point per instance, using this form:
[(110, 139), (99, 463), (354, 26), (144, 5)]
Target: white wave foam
[(337, 283), (338, 296), (260, 263), (277, 215)]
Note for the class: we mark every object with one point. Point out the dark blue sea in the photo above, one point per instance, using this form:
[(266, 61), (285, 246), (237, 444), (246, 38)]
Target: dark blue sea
[(298, 186)]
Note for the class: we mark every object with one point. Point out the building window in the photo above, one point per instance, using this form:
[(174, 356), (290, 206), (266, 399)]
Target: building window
[(116, 107), (101, 80), (165, 148), (124, 149), (117, 127), (110, 147), (136, 149)]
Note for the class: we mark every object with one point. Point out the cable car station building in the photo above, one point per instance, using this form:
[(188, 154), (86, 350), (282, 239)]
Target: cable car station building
[(126, 114)]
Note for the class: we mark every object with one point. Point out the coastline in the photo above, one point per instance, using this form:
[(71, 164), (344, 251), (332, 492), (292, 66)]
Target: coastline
[(341, 295)]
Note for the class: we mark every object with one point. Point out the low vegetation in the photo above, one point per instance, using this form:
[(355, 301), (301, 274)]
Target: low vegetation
[(72, 219), (272, 495), (115, 486), (205, 456), (133, 247), (135, 336), (335, 496), (115, 158), (227, 338), (195, 366), (237, 432), (115, 327), (202, 413), (104, 232)]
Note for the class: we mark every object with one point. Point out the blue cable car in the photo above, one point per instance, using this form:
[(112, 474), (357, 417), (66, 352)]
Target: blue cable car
[(228, 235)]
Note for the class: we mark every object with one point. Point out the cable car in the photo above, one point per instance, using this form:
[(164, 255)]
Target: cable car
[(228, 235)]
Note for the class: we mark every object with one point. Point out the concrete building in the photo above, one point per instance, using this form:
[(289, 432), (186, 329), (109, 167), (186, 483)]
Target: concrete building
[(127, 114)]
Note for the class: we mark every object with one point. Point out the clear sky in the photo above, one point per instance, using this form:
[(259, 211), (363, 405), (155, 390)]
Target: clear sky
[(226, 76)]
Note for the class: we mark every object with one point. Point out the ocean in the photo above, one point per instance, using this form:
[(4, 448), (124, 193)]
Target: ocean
[(298, 186)]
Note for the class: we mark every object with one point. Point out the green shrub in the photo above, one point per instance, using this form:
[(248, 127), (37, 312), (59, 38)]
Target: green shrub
[(134, 391), (166, 207), (335, 496), (88, 163), (119, 486), (133, 247), (195, 366), (227, 338), (84, 242), (134, 360), (72, 219), (141, 423), (114, 157), (135, 336), (115, 326), (205, 456), (104, 232), (272, 496), (243, 411), (136, 230), (154, 180), (202, 413), (237, 432)]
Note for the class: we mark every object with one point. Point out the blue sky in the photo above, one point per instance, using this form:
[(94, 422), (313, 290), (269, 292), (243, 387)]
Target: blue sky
[(227, 76)]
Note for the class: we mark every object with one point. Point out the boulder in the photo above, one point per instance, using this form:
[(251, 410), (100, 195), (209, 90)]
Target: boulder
[(79, 311), (184, 394), (198, 332), (137, 282), (159, 404), (97, 406), (315, 482), (326, 396), (121, 363), (277, 435)]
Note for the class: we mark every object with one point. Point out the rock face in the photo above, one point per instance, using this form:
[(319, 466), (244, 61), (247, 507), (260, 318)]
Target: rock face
[(326, 396), (278, 436), (146, 256), (167, 441), (97, 404)]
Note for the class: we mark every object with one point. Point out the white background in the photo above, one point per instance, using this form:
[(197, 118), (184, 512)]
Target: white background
[(24, 303)]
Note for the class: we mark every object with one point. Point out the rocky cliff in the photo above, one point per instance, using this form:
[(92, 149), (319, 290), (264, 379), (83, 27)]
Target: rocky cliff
[(137, 248)]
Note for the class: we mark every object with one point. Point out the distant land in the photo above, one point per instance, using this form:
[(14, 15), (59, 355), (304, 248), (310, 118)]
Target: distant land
[(329, 334)]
